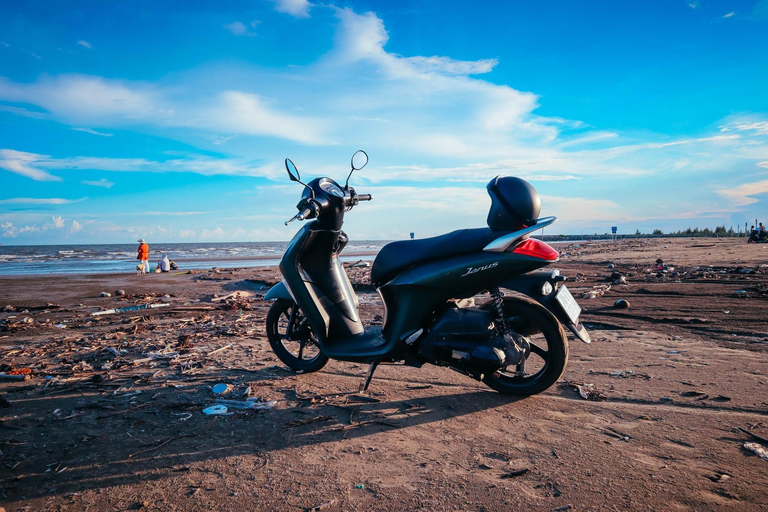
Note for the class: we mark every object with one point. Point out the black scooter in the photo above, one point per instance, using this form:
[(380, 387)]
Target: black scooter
[(515, 343)]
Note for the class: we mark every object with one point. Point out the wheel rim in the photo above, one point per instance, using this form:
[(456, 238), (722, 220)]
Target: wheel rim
[(533, 366), (296, 336)]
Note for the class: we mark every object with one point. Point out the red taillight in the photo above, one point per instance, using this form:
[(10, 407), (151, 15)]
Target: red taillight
[(537, 249)]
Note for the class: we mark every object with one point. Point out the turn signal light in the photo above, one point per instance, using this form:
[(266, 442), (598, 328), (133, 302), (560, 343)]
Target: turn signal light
[(537, 249)]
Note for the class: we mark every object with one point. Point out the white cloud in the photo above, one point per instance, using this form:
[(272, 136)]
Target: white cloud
[(76, 227), (86, 44), (758, 127), (744, 195), (729, 15), (101, 102), (250, 114), (18, 162), (187, 233), (32, 200), (239, 28), (92, 132), (103, 182), (296, 8), (204, 165), (452, 67), (212, 234), (83, 98), (58, 222)]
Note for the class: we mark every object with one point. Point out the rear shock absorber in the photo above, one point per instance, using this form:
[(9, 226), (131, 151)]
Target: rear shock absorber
[(497, 299), (516, 347)]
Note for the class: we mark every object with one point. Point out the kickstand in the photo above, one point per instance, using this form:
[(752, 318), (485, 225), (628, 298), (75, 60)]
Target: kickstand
[(371, 369)]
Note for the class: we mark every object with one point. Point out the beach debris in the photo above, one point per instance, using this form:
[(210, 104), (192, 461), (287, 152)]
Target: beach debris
[(129, 308), (680, 442), (610, 265), (622, 374), (119, 293), (221, 349), (621, 304), (9, 309), (720, 477), (587, 391), (249, 404), (105, 294), (597, 291), (612, 432), (217, 410), (754, 437), (221, 388), (13, 376), (620, 280), (678, 351), (759, 450), (236, 295), (321, 506), (360, 264), (306, 421)]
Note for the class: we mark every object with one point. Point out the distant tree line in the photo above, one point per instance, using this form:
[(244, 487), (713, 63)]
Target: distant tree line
[(718, 231)]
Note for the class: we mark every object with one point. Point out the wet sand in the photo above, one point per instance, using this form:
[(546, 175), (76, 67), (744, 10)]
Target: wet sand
[(111, 416)]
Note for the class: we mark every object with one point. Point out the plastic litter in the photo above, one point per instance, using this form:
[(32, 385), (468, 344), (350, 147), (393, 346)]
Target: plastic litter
[(621, 304), (129, 308), (105, 294), (222, 388), (759, 450), (216, 410), (251, 403)]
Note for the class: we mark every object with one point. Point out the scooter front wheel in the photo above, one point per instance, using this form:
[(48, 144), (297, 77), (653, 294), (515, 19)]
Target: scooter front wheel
[(546, 361), (291, 337)]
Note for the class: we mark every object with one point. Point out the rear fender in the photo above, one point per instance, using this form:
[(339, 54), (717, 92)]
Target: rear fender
[(279, 291), (530, 285)]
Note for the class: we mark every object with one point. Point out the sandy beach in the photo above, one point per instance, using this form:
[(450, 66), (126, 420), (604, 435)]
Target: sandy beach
[(111, 417)]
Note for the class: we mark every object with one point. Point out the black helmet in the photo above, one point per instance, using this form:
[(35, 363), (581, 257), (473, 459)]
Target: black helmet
[(515, 204)]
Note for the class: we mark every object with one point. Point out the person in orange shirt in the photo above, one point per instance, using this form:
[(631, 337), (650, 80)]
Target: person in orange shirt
[(143, 254)]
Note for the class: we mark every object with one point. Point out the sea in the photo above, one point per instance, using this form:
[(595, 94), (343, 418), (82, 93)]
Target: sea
[(121, 258)]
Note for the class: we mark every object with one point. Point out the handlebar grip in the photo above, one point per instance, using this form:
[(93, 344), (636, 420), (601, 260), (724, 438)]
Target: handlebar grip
[(304, 213), (364, 197)]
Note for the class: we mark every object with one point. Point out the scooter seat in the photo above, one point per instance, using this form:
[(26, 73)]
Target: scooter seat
[(395, 257)]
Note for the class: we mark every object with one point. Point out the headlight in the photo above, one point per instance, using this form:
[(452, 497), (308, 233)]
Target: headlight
[(546, 288)]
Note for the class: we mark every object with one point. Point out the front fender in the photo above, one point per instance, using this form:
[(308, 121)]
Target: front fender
[(279, 291), (530, 285)]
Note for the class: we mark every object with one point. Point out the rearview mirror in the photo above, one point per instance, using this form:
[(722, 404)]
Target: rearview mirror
[(359, 160), (293, 172)]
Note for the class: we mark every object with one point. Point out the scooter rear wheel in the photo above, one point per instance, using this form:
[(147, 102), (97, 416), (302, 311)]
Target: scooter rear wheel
[(291, 337), (549, 350)]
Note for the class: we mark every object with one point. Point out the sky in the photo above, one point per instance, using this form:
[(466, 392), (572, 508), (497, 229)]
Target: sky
[(171, 120)]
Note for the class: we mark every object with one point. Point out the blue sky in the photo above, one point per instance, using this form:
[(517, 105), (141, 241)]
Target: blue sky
[(170, 120)]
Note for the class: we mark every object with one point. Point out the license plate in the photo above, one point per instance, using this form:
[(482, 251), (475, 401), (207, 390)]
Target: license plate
[(568, 303)]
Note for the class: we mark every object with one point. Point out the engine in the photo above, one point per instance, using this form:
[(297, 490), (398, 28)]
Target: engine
[(466, 339)]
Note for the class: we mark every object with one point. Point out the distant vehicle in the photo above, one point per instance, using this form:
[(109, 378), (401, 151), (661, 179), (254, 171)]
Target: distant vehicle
[(515, 344), (757, 237)]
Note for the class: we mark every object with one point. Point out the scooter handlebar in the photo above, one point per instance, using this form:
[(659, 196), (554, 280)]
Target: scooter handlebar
[(364, 197), (300, 216)]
